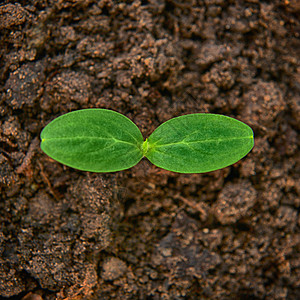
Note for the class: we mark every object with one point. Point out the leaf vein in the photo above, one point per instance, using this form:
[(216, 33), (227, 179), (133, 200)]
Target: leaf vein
[(203, 141), (89, 137)]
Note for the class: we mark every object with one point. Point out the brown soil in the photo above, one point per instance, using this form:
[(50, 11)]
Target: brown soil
[(146, 233)]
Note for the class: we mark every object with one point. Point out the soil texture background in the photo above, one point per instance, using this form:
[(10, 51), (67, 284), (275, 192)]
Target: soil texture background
[(147, 233)]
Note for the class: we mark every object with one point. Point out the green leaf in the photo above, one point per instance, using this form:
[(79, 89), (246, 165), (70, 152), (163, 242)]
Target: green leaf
[(198, 143), (96, 140)]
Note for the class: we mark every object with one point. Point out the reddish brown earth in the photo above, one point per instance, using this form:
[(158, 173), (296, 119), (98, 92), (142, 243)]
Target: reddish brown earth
[(146, 233)]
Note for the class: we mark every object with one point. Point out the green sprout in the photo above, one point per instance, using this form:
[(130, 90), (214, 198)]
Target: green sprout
[(102, 140)]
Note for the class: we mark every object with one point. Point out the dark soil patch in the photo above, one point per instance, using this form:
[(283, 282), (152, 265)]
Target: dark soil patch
[(146, 233)]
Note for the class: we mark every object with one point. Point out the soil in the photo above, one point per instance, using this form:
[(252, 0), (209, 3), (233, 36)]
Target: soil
[(147, 233)]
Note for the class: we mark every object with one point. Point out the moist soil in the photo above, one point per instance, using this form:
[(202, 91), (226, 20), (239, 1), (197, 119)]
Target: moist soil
[(147, 233)]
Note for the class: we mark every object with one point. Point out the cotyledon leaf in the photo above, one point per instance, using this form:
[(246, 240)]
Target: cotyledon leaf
[(96, 140), (198, 143)]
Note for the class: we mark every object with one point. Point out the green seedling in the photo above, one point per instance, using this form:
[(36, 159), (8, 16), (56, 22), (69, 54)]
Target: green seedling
[(101, 140)]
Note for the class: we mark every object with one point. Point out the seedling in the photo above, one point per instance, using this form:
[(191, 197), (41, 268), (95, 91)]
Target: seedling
[(101, 140)]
